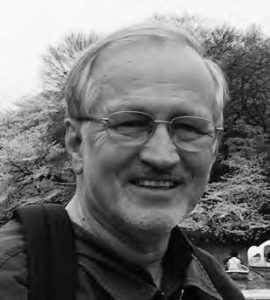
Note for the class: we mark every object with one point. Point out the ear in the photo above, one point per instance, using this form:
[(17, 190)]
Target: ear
[(73, 140)]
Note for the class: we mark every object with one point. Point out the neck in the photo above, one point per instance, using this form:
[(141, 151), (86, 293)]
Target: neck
[(139, 247)]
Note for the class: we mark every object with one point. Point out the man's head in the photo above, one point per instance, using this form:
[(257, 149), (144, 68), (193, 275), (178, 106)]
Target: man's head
[(135, 168)]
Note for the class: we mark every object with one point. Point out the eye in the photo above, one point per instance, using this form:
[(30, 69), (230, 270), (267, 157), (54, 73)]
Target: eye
[(190, 128), (132, 123), (126, 122)]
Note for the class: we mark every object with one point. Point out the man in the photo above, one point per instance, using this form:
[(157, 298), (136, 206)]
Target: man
[(144, 119)]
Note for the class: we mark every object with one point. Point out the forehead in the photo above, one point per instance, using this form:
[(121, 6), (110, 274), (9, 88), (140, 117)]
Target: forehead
[(151, 68)]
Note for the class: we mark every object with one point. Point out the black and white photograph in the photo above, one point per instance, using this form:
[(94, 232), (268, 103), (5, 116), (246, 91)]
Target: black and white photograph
[(135, 150)]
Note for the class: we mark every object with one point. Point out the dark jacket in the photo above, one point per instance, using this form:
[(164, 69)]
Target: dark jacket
[(190, 273)]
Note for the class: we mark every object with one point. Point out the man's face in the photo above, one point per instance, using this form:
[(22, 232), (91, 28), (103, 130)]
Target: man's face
[(154, 185)]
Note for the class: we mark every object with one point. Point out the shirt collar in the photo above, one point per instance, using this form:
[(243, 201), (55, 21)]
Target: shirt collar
[(197, 277), (124, 281)]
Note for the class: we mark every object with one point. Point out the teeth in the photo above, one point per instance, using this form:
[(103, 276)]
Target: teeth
[(155, 183)]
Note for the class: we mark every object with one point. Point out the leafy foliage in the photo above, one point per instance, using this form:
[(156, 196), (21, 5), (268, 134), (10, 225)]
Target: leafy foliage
[(33, 166), (236, 206)]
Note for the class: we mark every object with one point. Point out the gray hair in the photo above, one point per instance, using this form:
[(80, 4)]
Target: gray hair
[(81, 91)]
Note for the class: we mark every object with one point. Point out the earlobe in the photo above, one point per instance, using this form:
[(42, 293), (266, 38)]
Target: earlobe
[(73, 140)]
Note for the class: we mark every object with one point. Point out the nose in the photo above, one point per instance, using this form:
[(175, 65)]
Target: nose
[(159, 151)]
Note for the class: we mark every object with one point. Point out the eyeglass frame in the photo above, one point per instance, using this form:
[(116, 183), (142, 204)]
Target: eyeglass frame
[(105, 120)]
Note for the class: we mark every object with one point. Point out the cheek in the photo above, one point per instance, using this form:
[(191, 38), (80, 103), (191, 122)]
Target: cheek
[(199, 169), (107, 160), (200, 165), (116, 160)]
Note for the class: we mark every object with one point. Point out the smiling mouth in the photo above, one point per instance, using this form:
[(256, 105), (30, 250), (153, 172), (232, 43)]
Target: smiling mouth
[(155, 184)]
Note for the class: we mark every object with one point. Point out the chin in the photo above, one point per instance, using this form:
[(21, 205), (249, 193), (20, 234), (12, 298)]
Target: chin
[(153, 221)]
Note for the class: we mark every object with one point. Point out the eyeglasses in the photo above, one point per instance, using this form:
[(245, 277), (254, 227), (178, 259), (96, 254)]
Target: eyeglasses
[(133, 128)]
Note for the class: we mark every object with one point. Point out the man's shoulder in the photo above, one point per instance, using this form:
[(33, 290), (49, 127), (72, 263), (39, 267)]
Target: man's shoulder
[(11, 241), (13, 262)]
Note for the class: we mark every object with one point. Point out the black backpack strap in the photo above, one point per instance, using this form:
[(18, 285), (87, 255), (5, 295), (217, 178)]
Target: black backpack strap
[(224, 285), (51, 251)]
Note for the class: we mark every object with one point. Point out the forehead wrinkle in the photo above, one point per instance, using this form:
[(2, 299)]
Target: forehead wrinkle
[(122, 98), (140, 88)]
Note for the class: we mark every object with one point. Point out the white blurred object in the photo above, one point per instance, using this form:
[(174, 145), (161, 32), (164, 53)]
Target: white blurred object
[(259, 257), (256, 294), (234, 264)]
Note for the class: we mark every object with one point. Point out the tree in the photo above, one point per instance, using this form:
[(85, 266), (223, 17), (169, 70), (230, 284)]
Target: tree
[(59, 60), (56, 66), (235, 207), (33, 167)]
